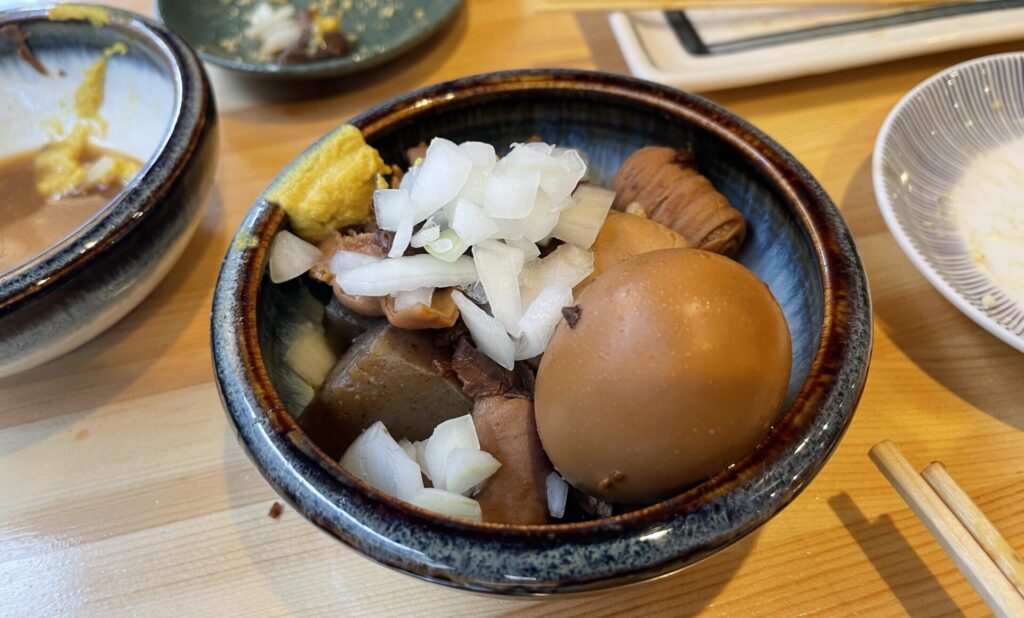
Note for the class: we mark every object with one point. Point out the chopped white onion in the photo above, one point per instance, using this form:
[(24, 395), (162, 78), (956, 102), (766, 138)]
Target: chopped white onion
[(566, 266), (471, 223), (290, 256), (376, 459), (445, 169), (530, 249), (467, 469), (498, 266), (347, 260), (265, 17), (475, 293), (280, 37), (403, 235), (404, 274), (509, 229), (452, 434), (489, 335), (443, 217), (409, 448), (539, 321), (421, 456), (429, 232), (409, 178), (560, 169), (475, 189), (560, 180), (448, 503), (580, 223), (420, 296), (531, 155), (512, 194), (481, 154), (558, 493), (448, 247), (310, 356), (388, 206), (539, 224)]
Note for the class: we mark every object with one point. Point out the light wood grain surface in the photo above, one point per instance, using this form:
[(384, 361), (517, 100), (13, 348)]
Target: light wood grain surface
[(123, 491)]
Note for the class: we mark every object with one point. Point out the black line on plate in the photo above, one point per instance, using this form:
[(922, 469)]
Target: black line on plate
[(686, 33), (692, 42)]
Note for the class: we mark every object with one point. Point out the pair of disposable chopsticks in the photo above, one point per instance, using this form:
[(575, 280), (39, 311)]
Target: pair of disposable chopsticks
[(670, 5), (982, 554)]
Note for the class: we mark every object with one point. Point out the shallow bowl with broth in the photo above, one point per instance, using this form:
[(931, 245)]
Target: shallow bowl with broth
[(158, 109)]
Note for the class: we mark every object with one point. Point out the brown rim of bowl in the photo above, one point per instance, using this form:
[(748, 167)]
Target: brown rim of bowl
[(194, 96), (838, 272)]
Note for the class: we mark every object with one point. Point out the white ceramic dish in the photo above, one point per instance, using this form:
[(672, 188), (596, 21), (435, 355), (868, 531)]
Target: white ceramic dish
[(731, 47), (962, 115)]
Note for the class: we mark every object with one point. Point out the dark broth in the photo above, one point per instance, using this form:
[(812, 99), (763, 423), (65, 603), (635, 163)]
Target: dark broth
[(31, 223)]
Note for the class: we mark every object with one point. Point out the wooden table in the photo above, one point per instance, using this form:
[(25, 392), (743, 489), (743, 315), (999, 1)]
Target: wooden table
[(123, 491)]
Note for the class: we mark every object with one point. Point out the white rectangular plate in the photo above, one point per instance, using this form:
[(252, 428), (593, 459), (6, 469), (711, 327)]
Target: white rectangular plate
[(736, 47)]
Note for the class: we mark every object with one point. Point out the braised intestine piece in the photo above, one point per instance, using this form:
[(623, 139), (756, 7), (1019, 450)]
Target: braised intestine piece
[(442, 312), (517, 493), (667, 184), (365, 243)]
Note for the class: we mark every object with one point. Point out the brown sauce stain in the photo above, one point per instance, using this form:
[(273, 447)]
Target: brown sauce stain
[(31, 223)]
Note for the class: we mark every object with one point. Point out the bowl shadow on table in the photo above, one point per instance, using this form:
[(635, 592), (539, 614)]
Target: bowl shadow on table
[(895, 560), (98, 377), (683, 593), (409, 70), (966, 360)]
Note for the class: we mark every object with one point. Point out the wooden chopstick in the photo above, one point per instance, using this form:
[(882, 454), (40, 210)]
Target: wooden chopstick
[(986, 534), (666, 5), (993, 587)]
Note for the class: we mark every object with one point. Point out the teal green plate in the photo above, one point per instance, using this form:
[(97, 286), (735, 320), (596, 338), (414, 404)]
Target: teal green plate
[(382, 29)]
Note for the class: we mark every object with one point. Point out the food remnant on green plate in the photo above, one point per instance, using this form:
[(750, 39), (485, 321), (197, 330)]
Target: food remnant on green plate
[(95, 15), (289, 37)]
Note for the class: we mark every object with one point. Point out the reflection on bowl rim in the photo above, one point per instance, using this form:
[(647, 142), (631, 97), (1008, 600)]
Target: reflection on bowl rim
[(833, 385), (62, 259)]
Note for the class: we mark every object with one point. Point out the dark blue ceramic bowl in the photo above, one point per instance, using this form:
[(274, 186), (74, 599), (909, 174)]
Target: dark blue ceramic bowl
[(797, 243), (159, 108)]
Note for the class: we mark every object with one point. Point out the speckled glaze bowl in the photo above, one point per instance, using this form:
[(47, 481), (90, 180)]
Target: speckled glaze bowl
[(160, 109), (798, 244)]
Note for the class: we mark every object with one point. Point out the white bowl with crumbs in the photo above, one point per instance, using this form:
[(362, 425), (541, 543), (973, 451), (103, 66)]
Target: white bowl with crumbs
[(948, 172)]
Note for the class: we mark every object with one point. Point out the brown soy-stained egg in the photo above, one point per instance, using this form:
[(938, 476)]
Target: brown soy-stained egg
[(672, 366), (623, 236)]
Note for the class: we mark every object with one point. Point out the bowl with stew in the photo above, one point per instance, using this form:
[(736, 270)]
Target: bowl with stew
[(107, 153), (665, 496)]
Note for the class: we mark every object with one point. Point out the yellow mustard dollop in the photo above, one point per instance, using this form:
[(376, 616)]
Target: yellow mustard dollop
[(59, 167), (332, 187)]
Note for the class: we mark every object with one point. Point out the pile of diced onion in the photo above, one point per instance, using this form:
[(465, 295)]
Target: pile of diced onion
[(451, 459), (461, 200), (480, 220)]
